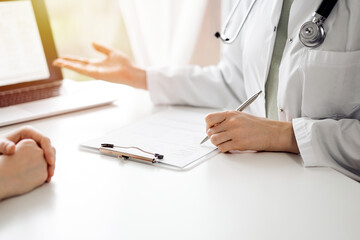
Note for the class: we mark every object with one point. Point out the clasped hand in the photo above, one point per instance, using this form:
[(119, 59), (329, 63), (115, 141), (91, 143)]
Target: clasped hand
[(27, 160), (9, 142)]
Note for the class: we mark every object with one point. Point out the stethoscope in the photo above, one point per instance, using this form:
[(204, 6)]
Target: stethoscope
[(312, 33)]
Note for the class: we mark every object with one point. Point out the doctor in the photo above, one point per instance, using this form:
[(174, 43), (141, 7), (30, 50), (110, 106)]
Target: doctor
[(311, 103)]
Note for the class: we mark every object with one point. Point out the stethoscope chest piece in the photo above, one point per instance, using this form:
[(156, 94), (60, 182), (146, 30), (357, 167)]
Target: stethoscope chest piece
[(312, 34)]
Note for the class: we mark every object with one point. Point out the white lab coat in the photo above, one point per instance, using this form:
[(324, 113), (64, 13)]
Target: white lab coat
[(319, 89)]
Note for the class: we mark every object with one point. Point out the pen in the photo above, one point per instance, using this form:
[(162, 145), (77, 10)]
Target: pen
[(240, 109)]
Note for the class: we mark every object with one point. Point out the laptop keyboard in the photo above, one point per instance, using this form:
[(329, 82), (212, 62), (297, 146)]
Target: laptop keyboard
[(12, 97)]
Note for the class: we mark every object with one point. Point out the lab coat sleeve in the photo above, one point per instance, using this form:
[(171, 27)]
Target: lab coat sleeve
[(330, 143), (218, 86)]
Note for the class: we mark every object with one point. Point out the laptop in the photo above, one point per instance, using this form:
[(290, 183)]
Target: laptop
[(30, 86)]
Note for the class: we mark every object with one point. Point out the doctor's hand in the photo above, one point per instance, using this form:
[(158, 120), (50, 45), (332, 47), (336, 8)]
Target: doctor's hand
[(114, 67), (8, 144), (233, 130)]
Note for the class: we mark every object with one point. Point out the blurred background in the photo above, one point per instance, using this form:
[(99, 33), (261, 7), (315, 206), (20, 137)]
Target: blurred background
[(150, 32), (76, 24)]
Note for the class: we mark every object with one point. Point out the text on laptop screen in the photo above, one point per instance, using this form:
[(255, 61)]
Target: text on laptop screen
[(22, 56)]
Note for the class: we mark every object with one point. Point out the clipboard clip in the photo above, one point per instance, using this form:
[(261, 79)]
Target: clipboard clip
[(111, 149)]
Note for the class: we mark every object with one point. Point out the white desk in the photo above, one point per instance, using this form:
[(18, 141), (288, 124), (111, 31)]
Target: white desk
[(230, 196)]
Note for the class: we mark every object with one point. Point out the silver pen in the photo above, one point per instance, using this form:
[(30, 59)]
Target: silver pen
[(240, 109)]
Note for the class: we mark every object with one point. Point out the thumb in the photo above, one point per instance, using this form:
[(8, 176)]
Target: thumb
[(7, 147)]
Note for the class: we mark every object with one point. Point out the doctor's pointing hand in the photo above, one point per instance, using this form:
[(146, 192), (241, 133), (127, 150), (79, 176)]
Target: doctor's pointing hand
[(305, 57)]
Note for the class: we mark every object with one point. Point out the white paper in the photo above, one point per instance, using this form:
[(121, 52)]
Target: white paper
[(22, 56), (175, 133)]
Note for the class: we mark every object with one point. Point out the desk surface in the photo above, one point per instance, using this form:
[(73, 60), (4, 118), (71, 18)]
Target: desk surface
[(230, 196)]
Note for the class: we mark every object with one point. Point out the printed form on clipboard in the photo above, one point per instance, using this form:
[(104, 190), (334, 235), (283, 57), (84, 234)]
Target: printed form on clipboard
[(168, 138)]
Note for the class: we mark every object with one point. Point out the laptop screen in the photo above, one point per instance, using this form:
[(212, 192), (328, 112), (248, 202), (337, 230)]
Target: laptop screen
[(27, 48)]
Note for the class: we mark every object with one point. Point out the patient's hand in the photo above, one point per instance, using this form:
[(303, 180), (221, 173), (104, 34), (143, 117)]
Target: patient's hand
[(22, 171), (8, 145), (115, 67)]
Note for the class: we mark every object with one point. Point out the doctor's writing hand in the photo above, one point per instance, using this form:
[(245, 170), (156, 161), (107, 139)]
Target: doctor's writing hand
[(8, 144), (233, 130), (115, 67)]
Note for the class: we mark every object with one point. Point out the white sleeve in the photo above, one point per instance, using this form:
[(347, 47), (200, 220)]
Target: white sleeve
[(218, 86), (330, 143)]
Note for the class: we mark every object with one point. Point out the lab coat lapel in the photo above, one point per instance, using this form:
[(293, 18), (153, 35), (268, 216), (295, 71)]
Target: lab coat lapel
[(259, 43)]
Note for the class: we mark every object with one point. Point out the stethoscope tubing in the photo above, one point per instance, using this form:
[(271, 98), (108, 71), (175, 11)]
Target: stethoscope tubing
[(326, 7), (320, 16), (222, 36)]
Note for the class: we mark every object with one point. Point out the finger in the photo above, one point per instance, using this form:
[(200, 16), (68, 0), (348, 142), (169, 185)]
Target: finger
[(61, 62), (7, 147), (84, 61), (51, 171), (226, 146), (57, 63), (102, 49), (42, 141), (220, 138), (76, 59), (218, 128), (49, 152), (213, 119), (81, 68)]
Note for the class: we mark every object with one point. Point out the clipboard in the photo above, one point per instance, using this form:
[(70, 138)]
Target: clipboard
[(168, 138)]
